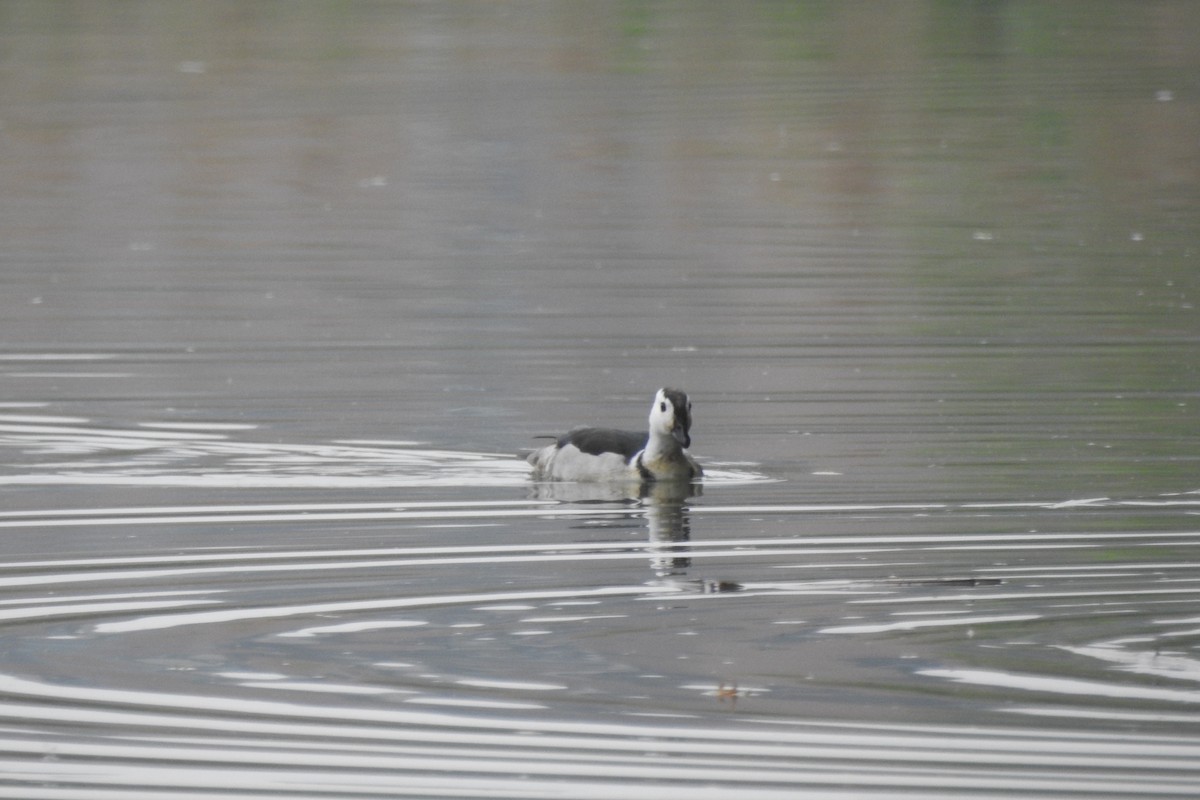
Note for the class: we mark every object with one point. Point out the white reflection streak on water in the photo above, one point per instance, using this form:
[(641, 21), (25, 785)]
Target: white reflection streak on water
[(443, 556), (131, 575), (1141, 662), (96, 608), (159, 622), (1062, 686), (749, 757), (1041, 595), (269, 507), (549, 509), (914, 625)]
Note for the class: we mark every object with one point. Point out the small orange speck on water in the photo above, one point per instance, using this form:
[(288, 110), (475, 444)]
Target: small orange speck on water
[(729, 693)]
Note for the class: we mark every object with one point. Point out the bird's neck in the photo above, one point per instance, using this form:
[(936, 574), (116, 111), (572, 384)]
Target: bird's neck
[(662, 446)]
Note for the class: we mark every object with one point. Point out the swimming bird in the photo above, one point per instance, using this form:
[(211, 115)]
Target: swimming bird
[(605, 454)]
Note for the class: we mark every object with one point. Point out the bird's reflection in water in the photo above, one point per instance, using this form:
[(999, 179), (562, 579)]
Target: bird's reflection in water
[(665, 508), (670, 526)]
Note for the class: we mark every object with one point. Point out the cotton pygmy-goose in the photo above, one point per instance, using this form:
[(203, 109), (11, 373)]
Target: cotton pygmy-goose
[(604, 454)]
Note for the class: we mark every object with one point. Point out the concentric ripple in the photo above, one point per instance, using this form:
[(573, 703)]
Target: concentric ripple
[(512, 643)]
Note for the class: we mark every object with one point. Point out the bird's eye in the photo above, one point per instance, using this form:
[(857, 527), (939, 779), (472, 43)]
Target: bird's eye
[(662, 407)]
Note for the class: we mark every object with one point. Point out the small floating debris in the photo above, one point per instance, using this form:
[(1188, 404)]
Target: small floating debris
[(729, 693)]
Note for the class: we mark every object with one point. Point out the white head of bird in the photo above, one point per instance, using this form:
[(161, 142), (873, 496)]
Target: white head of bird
[(671, 416)]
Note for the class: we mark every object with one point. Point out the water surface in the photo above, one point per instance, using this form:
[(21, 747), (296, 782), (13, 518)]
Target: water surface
[(287, 287)]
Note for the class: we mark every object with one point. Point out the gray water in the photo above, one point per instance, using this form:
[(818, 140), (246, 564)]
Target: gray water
[(286, 287)]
